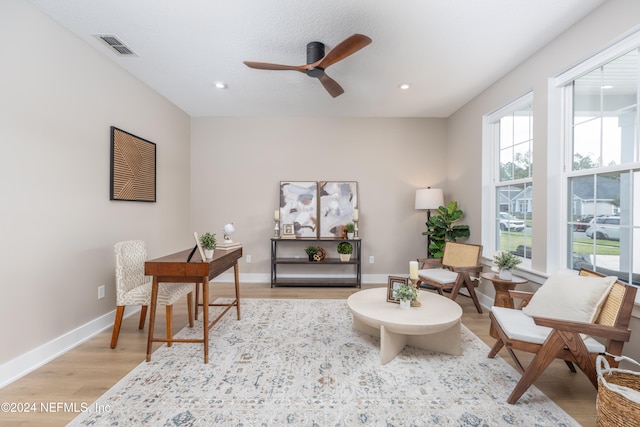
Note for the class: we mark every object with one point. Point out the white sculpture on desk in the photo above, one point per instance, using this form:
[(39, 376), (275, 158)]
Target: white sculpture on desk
[(228, 229)]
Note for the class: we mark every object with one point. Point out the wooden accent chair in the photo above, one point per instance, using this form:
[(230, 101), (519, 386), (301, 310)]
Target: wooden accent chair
[(134, 288), (550, 338), (459, 266)]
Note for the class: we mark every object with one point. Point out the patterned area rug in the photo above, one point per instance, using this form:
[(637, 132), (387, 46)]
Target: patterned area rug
[(300, 363)]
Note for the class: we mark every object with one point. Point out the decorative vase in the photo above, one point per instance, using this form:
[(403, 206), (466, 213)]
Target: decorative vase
[(345, 257), (311, 257), (405, 304), (349, 235), (505, 274)]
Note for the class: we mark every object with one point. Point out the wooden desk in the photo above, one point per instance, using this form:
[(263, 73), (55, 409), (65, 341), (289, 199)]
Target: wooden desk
[(502, 288), (174, 268)]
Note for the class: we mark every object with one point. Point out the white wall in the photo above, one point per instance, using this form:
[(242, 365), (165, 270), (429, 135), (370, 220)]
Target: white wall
[(464, 129), (238, 163), (58, 99)]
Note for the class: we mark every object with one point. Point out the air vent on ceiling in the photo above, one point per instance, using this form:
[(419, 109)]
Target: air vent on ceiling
[(115, 43)]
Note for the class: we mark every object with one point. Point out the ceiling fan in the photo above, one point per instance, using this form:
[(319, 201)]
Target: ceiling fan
[(317, 61)]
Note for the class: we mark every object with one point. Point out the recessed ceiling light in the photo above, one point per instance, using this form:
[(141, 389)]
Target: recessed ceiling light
[(221, 85), (404, 86)]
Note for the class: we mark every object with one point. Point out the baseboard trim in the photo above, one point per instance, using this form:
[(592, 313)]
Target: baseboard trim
[(33, 359)]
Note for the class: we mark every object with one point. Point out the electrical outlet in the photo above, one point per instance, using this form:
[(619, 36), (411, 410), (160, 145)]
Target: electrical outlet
[(248, 257), (371, 259), (100, 291)]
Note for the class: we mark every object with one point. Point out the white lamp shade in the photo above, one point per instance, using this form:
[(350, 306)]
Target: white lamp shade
[(429, 198)]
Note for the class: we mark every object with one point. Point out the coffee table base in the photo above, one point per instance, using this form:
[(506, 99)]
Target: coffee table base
[(392, 343)]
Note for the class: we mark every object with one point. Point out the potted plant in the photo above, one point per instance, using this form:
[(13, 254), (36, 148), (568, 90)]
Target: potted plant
[(311, 251), (406, 294), (208, 242), (345, 249), (505, 261), (350, 230), (441, 228)]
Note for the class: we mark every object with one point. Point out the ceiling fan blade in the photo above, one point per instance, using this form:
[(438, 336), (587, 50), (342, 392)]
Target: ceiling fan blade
[(347, 47), (268, 66), (331, 85)]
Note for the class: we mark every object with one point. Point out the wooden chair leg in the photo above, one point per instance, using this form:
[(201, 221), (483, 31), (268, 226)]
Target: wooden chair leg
[(143, 317), (496, 348), (469, 284), (169, 314), (116, 326), (541, 360), (190, 308), (571, 366)]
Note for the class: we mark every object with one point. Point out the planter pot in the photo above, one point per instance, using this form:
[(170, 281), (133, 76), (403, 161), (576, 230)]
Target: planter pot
[(311, 258), (345, 257), (349, 235), (505, 274), (208, 253), (405, 305)]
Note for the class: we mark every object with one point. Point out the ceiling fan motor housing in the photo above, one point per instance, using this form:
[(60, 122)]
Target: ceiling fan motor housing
[(315, 52)]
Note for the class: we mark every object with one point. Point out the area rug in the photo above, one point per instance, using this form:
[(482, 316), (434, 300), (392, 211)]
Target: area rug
[(300, 363)]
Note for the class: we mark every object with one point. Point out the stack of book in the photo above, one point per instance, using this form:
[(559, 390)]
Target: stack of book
[(227, 246)]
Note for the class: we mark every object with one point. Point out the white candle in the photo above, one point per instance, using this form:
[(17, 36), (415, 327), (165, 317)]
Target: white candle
[(413, 270), (276, 214), (355, 214)]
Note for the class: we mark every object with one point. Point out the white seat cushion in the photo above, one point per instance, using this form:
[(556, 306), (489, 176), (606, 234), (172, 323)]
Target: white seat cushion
[(438, 275), (519, 326), (168, 293)]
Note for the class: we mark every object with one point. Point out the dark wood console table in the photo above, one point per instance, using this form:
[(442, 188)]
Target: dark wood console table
[(174, 268), (302, 260)]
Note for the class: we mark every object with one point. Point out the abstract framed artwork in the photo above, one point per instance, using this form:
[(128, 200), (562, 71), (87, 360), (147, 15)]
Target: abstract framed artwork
[(133, 167), (393, 284), (299, 206), (338, 199)]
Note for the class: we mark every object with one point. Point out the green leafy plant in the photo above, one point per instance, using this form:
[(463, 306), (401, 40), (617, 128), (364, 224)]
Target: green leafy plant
[(351, 227), (441, 228), (208, 241), (345, 248), (406, 293), (505, 260), (311, 250)]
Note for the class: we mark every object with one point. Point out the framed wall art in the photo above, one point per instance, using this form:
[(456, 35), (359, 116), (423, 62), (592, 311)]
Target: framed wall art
[(338, 199), (299, 206), (393, 284), (133, 167)]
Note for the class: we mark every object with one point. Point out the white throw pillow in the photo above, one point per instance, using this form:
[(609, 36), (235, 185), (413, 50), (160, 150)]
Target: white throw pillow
[(567, 296)]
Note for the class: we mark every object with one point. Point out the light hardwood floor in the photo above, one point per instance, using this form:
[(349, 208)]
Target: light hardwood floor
[(84, 373)]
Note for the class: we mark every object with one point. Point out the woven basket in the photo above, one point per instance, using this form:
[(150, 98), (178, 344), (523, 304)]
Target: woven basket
[(618, 402)]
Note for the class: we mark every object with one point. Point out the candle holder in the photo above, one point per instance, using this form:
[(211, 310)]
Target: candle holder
[(414, 283), (276, 229), (355, 229)]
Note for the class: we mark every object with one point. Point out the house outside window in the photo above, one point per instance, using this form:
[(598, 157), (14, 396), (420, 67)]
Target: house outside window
[(509, 139), (602, 162)]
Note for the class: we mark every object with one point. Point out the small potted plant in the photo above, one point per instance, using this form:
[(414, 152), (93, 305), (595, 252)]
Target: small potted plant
[(350, 230), (208, 242), (406, 294), (311, 251), (505, 261), (345, 249)]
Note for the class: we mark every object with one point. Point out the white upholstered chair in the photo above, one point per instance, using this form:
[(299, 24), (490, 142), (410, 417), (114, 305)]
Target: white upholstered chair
[(134, 288), (459, 267), (560, 320)]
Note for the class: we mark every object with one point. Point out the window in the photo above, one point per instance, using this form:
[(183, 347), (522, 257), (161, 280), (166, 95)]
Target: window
[(602, 172), (509, 143)]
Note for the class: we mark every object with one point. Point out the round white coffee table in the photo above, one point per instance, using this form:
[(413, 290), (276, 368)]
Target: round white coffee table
[(434, 326)]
